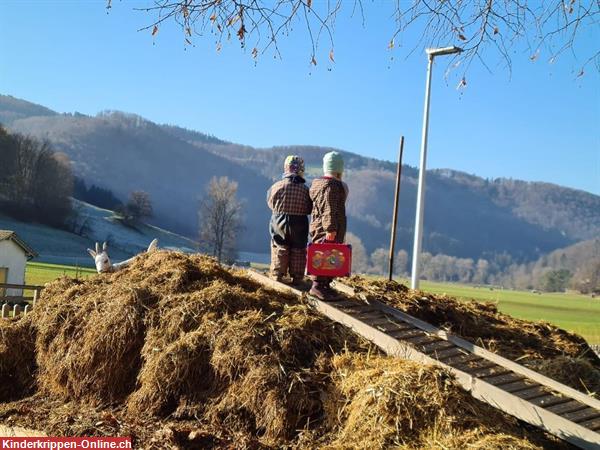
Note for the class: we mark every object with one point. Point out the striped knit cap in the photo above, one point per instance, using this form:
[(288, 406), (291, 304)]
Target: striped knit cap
[(294, 164)]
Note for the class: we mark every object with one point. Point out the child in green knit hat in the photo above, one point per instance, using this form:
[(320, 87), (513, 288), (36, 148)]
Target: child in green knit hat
[(328, 195)]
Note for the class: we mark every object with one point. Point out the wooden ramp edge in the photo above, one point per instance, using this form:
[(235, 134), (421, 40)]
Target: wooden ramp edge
[(538, 400)]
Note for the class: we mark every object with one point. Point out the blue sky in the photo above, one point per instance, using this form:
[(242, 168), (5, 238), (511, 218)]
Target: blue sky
[(540, 123)]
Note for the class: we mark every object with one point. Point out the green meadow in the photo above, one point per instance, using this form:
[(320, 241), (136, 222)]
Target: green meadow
[(41, 273), (573, 312)]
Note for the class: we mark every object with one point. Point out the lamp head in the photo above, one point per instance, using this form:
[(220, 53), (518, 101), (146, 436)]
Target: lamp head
[(431, 52)]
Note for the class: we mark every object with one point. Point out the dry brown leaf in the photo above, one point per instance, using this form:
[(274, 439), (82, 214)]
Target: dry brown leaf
[(241, 32)]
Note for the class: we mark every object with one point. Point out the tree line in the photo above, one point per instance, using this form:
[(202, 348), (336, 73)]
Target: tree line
[(576, 267), (95, 195), (36, 184)]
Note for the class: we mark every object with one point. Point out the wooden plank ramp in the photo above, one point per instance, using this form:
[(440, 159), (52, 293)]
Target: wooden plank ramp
[(510, 387)]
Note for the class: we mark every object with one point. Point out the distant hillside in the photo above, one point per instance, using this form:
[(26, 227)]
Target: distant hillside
[(574, 213), (12, 109), (97, 225), (466, 216), (268, 162), (123, 152)]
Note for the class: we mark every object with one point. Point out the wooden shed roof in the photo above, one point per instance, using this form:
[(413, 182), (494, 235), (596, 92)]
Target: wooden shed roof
[(12, 236)]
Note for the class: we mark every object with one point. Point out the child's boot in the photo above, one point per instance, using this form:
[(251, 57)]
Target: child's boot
[(318, 290)]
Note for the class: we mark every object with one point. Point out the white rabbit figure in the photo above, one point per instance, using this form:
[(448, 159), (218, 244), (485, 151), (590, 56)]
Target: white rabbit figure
[(102, 260)]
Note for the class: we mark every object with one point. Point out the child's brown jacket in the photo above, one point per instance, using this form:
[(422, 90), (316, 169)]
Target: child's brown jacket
[(329, 208)]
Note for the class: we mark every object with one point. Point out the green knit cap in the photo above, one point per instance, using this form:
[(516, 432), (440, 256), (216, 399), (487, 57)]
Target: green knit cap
[(333, 163)]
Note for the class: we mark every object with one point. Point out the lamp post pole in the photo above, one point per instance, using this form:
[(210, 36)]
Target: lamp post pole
[(431, 54)]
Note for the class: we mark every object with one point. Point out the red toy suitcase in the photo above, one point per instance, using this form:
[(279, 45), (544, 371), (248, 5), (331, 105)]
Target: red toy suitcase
[(329, 259)]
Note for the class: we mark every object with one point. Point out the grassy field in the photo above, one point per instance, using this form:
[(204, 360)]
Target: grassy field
[(573, 312), (41, 273)]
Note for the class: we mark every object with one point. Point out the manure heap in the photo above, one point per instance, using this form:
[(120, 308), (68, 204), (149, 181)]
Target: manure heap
[(178, 352), (498, 381)]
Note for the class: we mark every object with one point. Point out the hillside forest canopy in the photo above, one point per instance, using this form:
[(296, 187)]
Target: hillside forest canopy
[(36, 183), (486, 30)]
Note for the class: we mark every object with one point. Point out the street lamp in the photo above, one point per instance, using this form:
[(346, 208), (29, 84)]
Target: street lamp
[(431, 53)]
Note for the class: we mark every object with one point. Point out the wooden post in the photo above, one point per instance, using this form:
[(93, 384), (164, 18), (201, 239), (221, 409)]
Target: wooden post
[(36, 293), (395, 217), (5, 309), (16, 310)]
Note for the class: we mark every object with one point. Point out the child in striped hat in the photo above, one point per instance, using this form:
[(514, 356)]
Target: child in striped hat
[(291, 205)]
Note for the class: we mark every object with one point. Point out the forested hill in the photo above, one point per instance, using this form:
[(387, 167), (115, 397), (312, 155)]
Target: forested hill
[(12, 109), (572, 212), (466, 216)]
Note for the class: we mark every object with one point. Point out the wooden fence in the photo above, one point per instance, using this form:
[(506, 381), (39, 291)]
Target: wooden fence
[(13, 306)]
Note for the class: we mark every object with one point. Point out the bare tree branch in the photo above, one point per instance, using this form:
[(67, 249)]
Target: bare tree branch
[(486, 29)]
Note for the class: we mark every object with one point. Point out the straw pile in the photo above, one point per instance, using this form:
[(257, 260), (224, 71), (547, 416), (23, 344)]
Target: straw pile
[(178, 335), (411, 407), (17, 358), (559, 354), (179, 352)]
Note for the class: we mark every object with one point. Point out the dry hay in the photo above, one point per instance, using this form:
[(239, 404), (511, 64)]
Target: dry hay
[(539, 345), (174, 335), (74, 419), (89, 338), (411, 406), (576, 372), (176, 351), (370, 402), (17, 358)]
